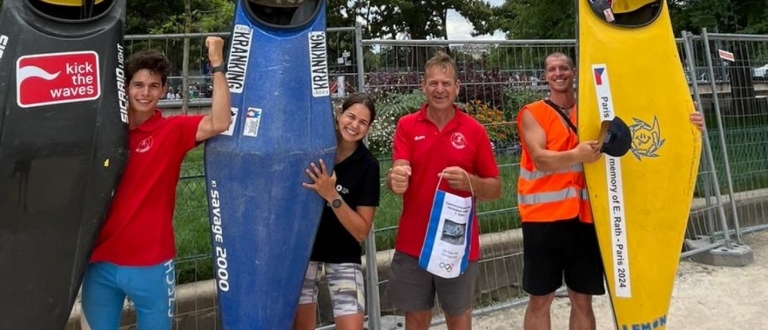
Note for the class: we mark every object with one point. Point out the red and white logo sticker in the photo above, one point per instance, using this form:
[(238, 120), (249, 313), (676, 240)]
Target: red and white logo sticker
[(145, 145), (56, 78), (458, 140)]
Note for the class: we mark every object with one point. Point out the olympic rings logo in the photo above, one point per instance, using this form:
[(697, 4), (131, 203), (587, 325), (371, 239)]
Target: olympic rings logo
[(445, 266)]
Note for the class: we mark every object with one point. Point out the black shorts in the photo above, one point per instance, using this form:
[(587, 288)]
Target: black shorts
[(561, 249)]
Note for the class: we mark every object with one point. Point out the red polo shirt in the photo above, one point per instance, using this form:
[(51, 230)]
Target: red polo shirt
[(462, 142), (139, 226)]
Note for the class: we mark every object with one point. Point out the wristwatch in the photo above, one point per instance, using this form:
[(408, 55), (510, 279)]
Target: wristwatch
[(336, 203), (219, 68)]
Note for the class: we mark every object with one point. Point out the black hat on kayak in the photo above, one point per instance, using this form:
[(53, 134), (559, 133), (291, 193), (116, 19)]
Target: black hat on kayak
[(618, 140)]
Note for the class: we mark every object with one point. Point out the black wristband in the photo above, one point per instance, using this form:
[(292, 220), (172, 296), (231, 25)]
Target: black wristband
[(220, 68)]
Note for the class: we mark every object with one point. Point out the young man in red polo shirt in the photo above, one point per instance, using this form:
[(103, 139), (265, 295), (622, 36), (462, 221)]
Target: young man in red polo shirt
[(134, 251), (443, 163)]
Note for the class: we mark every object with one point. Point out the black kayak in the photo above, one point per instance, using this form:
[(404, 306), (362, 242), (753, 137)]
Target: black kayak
[(63, 147)]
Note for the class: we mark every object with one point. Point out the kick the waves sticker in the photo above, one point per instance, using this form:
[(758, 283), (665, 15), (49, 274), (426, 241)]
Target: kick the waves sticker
[(57, 78)]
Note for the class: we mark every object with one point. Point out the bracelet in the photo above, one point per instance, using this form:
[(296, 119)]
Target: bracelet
[(219, 68)]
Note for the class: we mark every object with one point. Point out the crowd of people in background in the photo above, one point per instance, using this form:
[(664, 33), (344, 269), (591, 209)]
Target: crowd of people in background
[(195, 91)]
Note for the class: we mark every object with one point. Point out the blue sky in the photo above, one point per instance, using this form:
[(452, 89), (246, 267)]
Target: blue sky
[(460, 29)]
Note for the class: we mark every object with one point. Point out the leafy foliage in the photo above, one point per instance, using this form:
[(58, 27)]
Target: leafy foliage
[(418, 19), (388, 111), (205, 15), (498, 118), (486, 85), (556, 19), (725, 16), (534, 19), (492, 118), (515, 99), (425, 19), (489, 85)]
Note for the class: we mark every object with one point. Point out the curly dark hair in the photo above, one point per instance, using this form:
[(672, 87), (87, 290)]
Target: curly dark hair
[(150, 59)]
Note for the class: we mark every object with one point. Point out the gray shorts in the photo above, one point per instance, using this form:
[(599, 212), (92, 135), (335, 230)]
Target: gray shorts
[(345, 284), (413, 289)]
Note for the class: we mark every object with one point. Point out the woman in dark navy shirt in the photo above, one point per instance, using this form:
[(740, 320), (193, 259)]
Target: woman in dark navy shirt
[(352, 193)]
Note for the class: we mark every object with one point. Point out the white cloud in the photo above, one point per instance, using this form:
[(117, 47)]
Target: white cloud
[(460, 29)]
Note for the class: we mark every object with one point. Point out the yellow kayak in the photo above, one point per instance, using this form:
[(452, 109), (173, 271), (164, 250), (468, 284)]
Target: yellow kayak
[(629, 68)]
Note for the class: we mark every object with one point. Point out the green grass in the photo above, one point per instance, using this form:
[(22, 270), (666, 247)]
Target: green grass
[(746, 139), (191, 224)]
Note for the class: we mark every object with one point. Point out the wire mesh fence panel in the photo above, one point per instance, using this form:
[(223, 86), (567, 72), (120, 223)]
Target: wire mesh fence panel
[(704, 213), (496, 79), (739, 122)]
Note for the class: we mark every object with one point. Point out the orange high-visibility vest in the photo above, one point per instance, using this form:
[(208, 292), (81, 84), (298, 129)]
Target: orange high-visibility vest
[(546, 196)]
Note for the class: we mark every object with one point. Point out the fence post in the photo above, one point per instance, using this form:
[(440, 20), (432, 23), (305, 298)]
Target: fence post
[(372, 266), (687, 44), (372, 282), (726, 161), (704, 166), (360, 57)]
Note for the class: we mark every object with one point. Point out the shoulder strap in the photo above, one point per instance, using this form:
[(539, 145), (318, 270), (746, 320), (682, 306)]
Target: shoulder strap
[(562, 114)]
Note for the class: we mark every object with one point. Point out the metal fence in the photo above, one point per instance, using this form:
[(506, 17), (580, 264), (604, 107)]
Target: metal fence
[(498, 77)]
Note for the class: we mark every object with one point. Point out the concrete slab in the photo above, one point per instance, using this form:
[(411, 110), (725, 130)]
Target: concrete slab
[(392, 322), (727, 255)]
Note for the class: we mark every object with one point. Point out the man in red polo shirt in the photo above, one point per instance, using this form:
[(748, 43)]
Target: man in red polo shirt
[(443, 163), (134, 251)]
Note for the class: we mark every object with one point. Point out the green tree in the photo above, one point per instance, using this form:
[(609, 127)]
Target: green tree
[(142, 16), (419, 20), (556, 19), (727, 16), (203, 15), (343, 13), (207, 16), (533, 19)]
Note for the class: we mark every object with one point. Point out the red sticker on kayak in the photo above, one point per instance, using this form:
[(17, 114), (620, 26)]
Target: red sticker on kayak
[(55, 78)]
